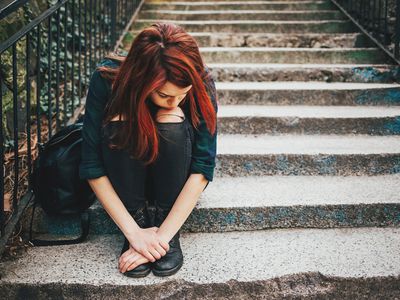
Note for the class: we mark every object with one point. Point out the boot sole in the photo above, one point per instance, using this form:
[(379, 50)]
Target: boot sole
[(137, 274), (167, 272)]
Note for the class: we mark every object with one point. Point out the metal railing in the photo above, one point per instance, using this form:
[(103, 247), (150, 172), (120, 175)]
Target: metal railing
[(378, 19), (44, 72)]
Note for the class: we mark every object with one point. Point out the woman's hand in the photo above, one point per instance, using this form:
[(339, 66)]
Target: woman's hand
[(147, 243), (130, 259)]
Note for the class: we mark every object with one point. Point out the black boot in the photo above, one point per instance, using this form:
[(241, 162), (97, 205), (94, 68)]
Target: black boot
[(141, 217), (172, 261)]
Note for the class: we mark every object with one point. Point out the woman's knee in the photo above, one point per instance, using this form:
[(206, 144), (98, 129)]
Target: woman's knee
[(175, 115)]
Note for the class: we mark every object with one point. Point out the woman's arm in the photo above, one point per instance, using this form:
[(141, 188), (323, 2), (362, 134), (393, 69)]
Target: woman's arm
[(144, 240), (178, 214), (182, 207)]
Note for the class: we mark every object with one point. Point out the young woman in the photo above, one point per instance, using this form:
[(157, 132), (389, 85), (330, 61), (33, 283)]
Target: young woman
[(149, 135)]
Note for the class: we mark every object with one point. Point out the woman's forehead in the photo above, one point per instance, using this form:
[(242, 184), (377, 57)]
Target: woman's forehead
[(171, 89)]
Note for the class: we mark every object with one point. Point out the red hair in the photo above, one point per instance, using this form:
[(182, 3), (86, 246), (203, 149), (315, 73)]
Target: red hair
[(159, 53)]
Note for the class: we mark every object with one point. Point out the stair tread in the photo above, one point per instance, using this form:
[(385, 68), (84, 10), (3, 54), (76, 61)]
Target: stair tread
[(300, 85), (201, 22), (304, 111), (250, 144), (220, 257), (278, 190), (297, 66)]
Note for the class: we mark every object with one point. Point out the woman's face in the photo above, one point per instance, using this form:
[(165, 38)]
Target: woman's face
[(169, 95)]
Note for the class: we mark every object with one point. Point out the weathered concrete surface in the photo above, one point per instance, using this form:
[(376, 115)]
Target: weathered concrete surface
[(241, 15), (308, 93), (356, 73), (263, 119), (296, 40), (270, 5), (250, 203), (316, 263), (256, 26), (293, 55)]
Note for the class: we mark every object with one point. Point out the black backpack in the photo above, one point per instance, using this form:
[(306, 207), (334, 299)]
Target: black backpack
[(56, 184)]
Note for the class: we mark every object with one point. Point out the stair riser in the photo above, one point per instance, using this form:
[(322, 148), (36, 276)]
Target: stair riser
[(274, 40), (317, 56), (296, 125), (239, 218), (318, 285), (379, 96), (270, 6), (381, 74), (323, 27), (236, 165), (305, 16)]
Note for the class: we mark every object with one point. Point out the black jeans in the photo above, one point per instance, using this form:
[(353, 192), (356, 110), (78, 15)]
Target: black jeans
[(160, 182)]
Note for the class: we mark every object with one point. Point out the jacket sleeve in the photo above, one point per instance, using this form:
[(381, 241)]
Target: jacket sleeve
[(91, 164), (205, 145)]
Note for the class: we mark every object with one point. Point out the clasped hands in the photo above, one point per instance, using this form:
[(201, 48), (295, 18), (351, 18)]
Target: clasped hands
[(144, 245)]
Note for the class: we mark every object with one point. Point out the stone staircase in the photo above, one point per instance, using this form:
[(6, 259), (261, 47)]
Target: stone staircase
[(305, 202)]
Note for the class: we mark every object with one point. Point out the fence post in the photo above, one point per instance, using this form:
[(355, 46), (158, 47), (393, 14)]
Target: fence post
[(113, 22), (397, 31)]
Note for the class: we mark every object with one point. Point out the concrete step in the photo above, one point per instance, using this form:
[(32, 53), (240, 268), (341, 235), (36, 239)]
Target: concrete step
[(252, 203), (358, 73), (294, 55), (303, 263), (256, 26), (242, 15), (301, 119), (244, 1), (308, 93), (239, 5), (288, 40), (288, 154)]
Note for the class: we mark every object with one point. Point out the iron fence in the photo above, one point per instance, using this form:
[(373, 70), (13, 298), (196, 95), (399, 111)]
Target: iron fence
[(379, 19), (45, 67)]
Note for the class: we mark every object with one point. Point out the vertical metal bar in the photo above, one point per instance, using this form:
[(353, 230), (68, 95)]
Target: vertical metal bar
[(65, 63), (15, 125), (113, 23), (73, 58), (90, 35), (2, 169), (28, 104), (79, 53), (38, 83), (49, 112), (101, 28), (85, 63), (95, 30), (386, 36), (397, 31), (58, 72)]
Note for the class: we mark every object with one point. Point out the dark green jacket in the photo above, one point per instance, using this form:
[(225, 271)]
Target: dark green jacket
[(91, 165)]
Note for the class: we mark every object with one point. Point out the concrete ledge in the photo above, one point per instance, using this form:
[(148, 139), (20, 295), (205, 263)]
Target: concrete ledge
[(256, 26), (294, 55), (307, 93), (239, 5), (242, 15), (355, 73), (249, 203), (269, 119), (290, 40), (324, 263)]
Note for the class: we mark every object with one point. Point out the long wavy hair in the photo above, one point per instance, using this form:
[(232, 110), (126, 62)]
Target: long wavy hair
[(159, 53)]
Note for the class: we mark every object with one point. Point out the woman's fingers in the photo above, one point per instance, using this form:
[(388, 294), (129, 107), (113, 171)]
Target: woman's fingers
[(138, 262), (160, 250), (148, 255), (164, 245), (127, 262)]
